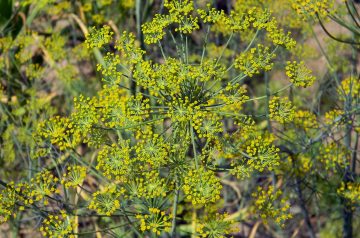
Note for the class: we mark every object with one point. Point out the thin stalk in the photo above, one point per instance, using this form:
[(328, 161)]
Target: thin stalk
[(205, 44), (176, 200), (252, 41), (326, 57), (338, 20), (271, 94), (268, 95), (351, 14), (224, 48), (187, 49), (354, 153), (347, 212), (162, 50), (193, 144), (333, 37)]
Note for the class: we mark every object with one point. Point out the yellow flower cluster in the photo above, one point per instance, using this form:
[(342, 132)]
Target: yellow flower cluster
[(265, 204), (106, 201), (153, 150), (157, 120), (334, 155), (129, 49), (98, 37), (209, 127), (233, 96), (148, 185), (350, 191), (201, 186), (226, 24), (255, 60), (183, 110), (75, 176), (261, 152), (155, 221), (305, 119), (177, 9), (307, 8), (305, 163), (188, 25), (257, 153), (299, 74), (350, 86), (281, 110), (42, 185), (8, 199), (58, 226), (25, 194), (154, 30), (278, 36), (110, 68), (60, 131), (112, 106), (179, 14), (115, 160), (241, 171), (335, 117), (137, 108), (241, 20), (215, 226), (85, 114)]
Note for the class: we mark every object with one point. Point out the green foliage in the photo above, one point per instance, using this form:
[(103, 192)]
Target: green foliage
[(209, 119)]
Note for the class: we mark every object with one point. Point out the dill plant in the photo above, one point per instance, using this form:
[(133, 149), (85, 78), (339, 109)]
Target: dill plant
[(166, 143), (172, 127)]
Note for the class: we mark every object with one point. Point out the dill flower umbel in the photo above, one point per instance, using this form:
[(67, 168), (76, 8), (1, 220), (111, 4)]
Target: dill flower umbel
[(299, 75), (265, 205), (201, 187), (335, 117), (115, 160), (254, 60), (311, 7), (98, 37), (281, 109), (334, 155), (215, 226), (152, 149), (106, 201), (257, 153), (57, 225), (7, 202), (350, 191), (262, 152), (155, 221), (44, 184), (350, 86), (60, 132), (148, 185), (75, 176), (305, 119)]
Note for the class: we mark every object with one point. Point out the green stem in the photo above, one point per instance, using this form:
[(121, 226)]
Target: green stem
[(162, 50), (193, 144), (205, 44), (224, 48), (176, 200)]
